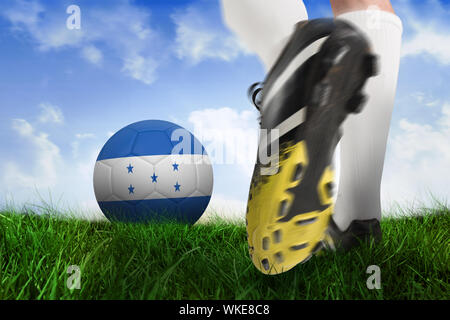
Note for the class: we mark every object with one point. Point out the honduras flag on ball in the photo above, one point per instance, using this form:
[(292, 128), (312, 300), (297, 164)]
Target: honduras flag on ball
[(153, 171)]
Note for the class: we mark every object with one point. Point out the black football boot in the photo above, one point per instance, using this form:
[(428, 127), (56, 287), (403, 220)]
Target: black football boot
[(315, 83)]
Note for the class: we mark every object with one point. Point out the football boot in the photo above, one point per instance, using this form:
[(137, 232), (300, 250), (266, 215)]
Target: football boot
[(359, 231), (315, 83)]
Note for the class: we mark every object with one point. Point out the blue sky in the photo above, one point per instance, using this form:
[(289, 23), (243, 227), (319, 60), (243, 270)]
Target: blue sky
[(64, 92)]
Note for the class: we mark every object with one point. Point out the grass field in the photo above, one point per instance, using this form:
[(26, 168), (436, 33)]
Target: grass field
[(210, 261)]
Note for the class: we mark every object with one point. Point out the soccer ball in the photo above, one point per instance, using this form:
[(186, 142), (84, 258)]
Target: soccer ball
[(153, 171)]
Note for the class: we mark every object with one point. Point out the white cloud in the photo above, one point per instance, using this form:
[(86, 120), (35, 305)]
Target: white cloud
[(198, 36), (125, 29), (418, 96), (430, 41), (229, 136), (24, 13), (43, 165), (43, 175), (48, 33), (76, 144), (120, 28), (430, 31), (425, 99), (92, 54), (140, 68), (85, 135), (418, 161), (50, 113), (444, 121), (22, 127), (432, 103)]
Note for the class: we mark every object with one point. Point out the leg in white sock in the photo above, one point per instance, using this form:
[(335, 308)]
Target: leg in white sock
[(263, 25), (363, 145)]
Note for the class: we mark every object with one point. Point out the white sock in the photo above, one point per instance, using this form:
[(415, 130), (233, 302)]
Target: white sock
[(264, 26), (363, 145)]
